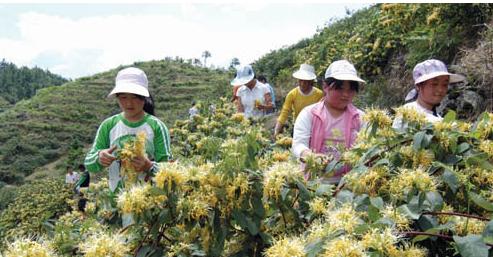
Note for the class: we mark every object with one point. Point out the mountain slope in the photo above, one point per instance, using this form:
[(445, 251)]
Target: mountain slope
[(39, 130), (22, 83), (384, 42)]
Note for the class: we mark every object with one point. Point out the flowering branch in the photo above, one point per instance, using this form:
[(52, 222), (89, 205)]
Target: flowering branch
[(418, 233), (456, 214)]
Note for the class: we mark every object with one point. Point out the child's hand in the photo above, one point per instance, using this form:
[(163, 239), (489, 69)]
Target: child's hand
[(106, 156), (141, 163)]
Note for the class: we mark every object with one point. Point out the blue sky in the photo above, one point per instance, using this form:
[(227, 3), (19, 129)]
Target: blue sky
[(76, 40)]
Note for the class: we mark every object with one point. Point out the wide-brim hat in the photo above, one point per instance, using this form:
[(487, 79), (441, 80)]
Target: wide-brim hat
[(342, 70), (131, 80), (432, 68), (306, 72), (244, 75)]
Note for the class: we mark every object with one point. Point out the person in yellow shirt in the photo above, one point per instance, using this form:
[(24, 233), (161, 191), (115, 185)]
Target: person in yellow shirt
[(300, 97)]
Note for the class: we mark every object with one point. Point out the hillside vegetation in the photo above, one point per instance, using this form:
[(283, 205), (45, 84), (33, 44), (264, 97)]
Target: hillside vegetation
[(384, 42), (22, 83), (62, 119)]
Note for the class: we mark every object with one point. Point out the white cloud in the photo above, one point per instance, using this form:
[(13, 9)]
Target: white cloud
[(77, 47)]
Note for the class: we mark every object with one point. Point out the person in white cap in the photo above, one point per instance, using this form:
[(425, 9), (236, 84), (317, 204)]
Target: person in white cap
[(254, 98), (431, 80), (299, 97), (131, 91), (333, 123)]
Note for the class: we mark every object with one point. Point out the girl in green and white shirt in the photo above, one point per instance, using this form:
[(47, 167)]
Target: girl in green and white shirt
[(131, 90)]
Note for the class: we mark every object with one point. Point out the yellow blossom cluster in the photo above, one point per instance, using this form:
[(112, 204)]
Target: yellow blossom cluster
[(410, 115), (401, 221), (344, 246), (26, 247), (137, 199), (487, 147), (420, 159), (283, 247), (370, 182), (382, 241), (279, 156), (131, 149), (408, 179), (102, 244), (238, 117), (284, 142), (485, 127), (170, 176), (195, 206), (465, 226), (279, 175), (318, 205), (378, 117), (345, 217)]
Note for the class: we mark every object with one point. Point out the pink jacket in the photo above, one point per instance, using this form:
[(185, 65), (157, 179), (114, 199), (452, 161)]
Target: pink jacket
[(320, 118)]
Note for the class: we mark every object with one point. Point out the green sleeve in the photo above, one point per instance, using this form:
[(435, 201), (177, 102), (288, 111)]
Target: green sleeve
[(286, 108), (102, 141), (162, 141)]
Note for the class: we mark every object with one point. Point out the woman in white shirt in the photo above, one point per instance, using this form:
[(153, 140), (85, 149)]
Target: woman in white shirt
[(253, 97), (431, 80)]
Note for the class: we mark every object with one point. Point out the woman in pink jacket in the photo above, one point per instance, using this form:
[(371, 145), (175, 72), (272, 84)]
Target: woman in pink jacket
[(333, 123)]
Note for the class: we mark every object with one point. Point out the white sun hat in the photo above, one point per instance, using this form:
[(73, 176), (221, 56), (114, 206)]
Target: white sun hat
[(342, 70), (432, 68), (306, 72), (131, 80), (243, 75)]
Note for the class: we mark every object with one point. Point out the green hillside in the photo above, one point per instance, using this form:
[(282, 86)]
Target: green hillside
[(384, 42), (59, 120), (22, 83)]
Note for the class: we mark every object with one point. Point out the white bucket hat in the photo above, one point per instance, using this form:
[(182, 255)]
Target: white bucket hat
[(306, 72), (433, 68), (131, 80), (342, 70), (243, 75)]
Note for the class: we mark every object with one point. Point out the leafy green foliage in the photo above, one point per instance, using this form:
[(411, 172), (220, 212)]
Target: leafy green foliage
[(45, 128), (22, 83), (34, 204)]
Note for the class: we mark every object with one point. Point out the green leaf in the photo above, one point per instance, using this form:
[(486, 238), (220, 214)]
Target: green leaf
[(463, 147), (345, 196), (377, 202), (435, 200), (252, 226), (450, 116), (451, 180), (480, 201), (324, 190), (479, 160), (488, 233), (471, 246), (127, 220), (409, 212), (418, 140), (373, 213)]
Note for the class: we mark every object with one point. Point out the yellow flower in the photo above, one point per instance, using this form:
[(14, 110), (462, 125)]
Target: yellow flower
[(465, 226), (284, 141), (344, 247), (284, 247), (344, 217), (382, 241), (135, 200), (278, 176), (318, 205), (130, 150), (400, 220), (410, 115), (378, 117), (409, 179), (281, 156), (102, 244), (170, 174), (369, 182), (487, 147), (25, 247), (238, 117)]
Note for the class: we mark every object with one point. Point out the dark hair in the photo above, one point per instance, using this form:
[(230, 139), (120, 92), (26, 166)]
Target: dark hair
[(262, 78), (148, 103), (353, 85), (82, 167)]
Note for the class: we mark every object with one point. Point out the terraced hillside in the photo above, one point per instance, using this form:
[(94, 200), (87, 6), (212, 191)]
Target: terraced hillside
[(40, 130)]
